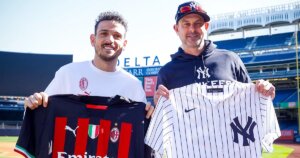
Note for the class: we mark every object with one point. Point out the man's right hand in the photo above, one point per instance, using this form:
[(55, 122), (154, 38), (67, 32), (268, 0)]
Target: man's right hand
[(161, 91), (33, 101)]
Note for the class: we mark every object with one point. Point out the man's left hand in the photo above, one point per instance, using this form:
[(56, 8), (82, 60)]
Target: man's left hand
[(265, 88), (149, 108)]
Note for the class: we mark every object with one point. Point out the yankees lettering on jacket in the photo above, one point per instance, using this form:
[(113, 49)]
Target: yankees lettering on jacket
[(84, 126), (224, 121)]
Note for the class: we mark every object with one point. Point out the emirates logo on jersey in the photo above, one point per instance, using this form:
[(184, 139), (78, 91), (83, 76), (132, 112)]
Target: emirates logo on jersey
[(114, 134), (83, 83)]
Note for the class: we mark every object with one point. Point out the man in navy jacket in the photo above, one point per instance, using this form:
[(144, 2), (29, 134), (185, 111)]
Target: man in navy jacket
[(198, 60)]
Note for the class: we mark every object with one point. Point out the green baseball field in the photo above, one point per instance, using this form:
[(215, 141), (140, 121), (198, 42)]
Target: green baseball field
[(7, 145)]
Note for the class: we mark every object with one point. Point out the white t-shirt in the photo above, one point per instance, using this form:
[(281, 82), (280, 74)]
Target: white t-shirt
[(224, 121), (83, 78)]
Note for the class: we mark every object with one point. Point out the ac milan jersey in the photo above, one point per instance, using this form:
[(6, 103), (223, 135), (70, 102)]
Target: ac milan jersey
[(200, 121), (84, 126)]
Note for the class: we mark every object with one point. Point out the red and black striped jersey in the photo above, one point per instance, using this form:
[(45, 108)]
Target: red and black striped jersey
[(84, 126)]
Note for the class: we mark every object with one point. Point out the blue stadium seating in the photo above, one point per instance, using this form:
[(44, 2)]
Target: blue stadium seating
[(275, 57), (235, 44), (11, 105), (247, 59), (270, 58), (292, 98), (273, 40), (288, 125), (284, 96), (272, 74), (260, 42)]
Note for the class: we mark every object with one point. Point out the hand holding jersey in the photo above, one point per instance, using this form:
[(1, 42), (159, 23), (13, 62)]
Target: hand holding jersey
[(262, 86), (265, 88), (38, 99), (35, 100), (161, 91)]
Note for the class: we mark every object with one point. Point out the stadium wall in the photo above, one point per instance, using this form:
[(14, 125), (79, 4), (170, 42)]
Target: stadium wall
[(22, 74)]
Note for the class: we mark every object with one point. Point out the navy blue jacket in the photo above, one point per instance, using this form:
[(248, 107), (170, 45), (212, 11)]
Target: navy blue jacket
[(213, 67)]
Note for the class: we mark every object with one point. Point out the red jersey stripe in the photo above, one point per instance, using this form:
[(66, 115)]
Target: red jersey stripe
[(103, 139), (59, 135), (97, 107), (81, 136), (125, 137)]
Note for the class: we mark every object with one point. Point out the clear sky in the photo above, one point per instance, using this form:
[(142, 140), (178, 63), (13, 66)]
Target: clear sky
[(64, 26)]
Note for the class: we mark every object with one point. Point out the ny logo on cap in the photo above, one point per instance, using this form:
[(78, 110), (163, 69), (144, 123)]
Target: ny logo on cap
[(194, 5)]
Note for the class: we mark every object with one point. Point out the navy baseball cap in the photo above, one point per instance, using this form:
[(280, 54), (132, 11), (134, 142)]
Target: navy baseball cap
[(189, 8)]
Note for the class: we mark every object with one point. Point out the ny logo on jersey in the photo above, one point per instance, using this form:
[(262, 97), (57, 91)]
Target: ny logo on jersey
[(238, 129), (203, 72)]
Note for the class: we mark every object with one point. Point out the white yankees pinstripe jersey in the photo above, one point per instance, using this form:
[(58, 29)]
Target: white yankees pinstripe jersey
[(200, 121)]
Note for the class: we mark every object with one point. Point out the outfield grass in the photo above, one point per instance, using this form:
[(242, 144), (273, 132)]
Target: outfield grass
[(8, 139), (280, 151), (7, 145)]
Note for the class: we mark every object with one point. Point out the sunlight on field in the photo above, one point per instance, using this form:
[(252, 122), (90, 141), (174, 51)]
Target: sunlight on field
[(280, 151), (7, 145)]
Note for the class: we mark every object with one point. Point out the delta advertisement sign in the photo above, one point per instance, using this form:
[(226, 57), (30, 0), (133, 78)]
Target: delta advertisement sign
[(145, 68), (143, 61)]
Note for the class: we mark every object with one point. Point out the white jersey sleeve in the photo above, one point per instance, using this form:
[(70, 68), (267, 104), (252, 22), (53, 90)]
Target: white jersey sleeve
[(161, 118), (271, 127)]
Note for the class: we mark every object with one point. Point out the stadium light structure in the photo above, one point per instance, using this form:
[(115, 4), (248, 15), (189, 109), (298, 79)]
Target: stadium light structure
[(297, 74)]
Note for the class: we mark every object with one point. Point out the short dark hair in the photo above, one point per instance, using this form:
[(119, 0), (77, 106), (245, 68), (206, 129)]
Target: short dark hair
[(111, 15)]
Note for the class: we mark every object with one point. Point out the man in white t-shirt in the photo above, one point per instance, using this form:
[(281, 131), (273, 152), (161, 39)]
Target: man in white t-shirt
[(101, 76)]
